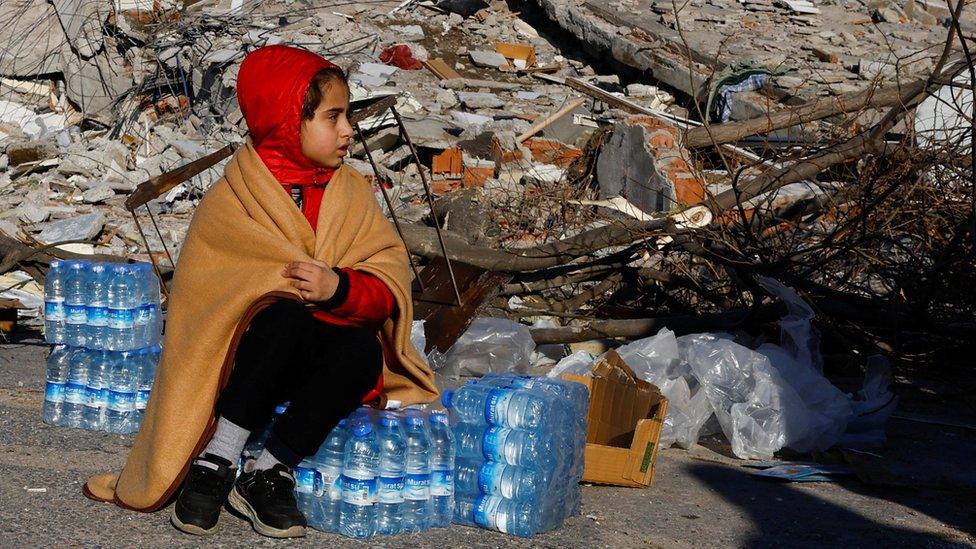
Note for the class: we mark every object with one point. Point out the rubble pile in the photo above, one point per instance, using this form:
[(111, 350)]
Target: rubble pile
[(636, 168)]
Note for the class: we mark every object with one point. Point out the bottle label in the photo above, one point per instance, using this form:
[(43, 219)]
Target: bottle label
[(496, 404), (54, 310), (416, 486), (75, 314), (97, 316), (75, 393), (493, 443), (358, 491), (441, 482), (54, 392), (485, 512), (390, 489), (307, 480), (97, 397), (490, 478), (143, 314), (121, 401), (331, 482), (120, 319), (142, 399)]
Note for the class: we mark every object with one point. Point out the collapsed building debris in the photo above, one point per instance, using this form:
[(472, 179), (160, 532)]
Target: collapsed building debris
[(737, 140)]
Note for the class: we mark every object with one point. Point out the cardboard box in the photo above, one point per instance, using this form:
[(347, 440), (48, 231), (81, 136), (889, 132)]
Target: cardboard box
[(625, 419)]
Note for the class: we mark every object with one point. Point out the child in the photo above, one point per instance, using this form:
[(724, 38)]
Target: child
[(291, 286)]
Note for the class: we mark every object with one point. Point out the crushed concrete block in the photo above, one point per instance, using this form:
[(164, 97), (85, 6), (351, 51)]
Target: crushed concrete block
[(83, 227), (490, 59), (446, 99), (94, 195), (189, 150), (408, 33), (31, 212), (480, 100), (31, 151)]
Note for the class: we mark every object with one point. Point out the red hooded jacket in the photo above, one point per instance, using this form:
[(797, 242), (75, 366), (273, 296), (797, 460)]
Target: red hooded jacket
[(271, 87)]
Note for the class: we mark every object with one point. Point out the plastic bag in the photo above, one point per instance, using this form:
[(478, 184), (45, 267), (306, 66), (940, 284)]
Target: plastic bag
[(579, 363), (871, 407), (418, 337), (490, 345)]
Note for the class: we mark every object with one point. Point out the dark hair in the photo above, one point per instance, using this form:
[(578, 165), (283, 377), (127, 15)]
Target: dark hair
[(316, 89)]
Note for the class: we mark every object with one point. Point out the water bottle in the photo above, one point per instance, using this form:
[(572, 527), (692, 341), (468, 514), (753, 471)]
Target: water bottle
[(255, 441), (75, 298), (329, 463), (497, 513), (390, 482), (574, 393), (357, 514), (143, 319), (308, 482), (96, 308), (441, 470), (96, 405), (54, 316), (145, 374), (120, 415), (524, 448), (416, 483), (121, 308), (58, 364), (76, 388), (503, 406), (476, 477)]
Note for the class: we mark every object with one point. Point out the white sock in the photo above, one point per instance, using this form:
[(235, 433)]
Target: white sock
[(228, 441), (265, 461)]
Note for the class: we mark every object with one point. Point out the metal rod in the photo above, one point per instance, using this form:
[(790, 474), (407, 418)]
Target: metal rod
[(389, 204), (152, 258), (160, 235), (430, 201)]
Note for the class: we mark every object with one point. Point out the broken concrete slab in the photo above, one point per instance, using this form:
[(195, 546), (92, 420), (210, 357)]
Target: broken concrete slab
[(83, 227), (489, 59), (479, 100), (31, 151), (97, 194)]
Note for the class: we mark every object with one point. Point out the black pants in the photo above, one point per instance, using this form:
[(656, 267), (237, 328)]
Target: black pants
[(324, 371)]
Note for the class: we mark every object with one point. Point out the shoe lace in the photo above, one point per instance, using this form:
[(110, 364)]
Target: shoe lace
[(207, 481)]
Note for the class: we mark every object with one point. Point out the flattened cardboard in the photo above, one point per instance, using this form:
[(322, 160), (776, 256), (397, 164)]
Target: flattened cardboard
[(625, 419)]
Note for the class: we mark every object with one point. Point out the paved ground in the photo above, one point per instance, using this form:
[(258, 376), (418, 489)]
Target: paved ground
[(700, 498)]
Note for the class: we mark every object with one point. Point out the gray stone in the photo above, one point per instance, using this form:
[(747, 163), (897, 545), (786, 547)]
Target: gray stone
[(478, 100), (409, 33), (32, 212), (83, 227), (446, 99), (490, 59), (97, 194), (625, 167), (189, 150)]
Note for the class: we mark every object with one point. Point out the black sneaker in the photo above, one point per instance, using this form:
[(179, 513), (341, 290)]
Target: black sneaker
[(204, 492), (267, 498)]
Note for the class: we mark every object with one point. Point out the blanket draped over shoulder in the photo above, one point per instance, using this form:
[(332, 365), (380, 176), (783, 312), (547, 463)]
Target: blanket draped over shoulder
[(244, 231)]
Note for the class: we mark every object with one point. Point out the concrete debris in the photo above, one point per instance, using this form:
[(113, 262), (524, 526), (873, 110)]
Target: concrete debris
[(487, 59), (83, 227)]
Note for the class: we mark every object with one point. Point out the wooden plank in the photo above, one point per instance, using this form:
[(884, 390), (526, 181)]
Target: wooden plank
[(444, 321), (441, 69)]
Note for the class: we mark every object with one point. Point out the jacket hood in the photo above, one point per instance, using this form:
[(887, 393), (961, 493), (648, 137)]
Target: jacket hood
[(271, 87)]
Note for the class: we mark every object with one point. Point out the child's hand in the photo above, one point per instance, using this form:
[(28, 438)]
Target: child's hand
[(314, 280)]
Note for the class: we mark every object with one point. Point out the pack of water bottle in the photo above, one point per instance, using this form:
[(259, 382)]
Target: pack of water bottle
[(99, 390), (102, 306), (519, 443), (380, 473)]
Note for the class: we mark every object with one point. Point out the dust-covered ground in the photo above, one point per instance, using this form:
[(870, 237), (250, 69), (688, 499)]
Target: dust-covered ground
[(700, 497)]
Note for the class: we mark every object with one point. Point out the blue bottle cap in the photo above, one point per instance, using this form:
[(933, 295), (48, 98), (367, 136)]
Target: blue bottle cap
[(362, 429), (280, 409), (414, 420), (446, 398), (439, 417), (57, 263), (389, 421), (344, 423)]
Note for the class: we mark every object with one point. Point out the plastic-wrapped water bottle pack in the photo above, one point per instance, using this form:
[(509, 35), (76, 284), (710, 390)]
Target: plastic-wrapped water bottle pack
[(380, 473), (104, 320), (520, 442)]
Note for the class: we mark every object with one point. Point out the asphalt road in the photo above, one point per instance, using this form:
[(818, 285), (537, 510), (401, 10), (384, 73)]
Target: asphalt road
[(700, 497)]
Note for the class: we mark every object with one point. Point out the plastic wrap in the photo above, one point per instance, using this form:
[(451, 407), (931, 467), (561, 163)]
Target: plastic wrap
[(490, 345)]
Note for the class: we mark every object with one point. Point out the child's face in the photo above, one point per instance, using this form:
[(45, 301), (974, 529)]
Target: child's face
[(327, 136)]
